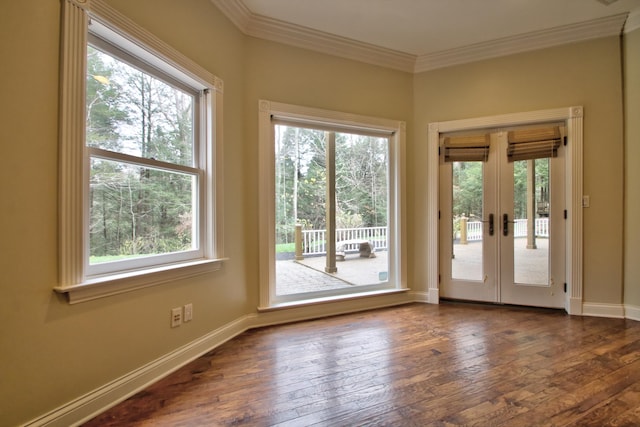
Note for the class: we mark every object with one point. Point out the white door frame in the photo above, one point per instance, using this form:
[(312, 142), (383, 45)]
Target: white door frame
[(573, 116)]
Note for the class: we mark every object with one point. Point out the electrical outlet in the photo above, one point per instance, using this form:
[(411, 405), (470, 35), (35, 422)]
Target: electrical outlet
[(188, 312), (176, 317)]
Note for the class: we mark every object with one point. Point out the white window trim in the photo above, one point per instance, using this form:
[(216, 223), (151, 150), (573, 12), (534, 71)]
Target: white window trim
[(573, 116), (73, 281), (397, 246)]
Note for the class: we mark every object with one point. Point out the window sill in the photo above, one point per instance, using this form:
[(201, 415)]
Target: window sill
[(101, 287), (336, 298)]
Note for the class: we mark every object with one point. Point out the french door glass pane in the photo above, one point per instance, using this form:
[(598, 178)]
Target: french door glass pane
[(531, 227), (467, 214)]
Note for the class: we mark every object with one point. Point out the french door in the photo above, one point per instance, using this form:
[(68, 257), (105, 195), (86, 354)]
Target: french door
[(502, 222)]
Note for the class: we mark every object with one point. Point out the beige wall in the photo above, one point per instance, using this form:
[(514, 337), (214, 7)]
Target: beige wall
[(585, 74), (52, 352), (297, 76), (632, 169)]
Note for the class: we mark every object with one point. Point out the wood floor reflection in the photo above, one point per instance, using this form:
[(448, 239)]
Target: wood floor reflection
[(414, 365)]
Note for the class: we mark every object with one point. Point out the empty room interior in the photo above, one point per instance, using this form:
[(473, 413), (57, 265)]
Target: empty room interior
[(296, 212)]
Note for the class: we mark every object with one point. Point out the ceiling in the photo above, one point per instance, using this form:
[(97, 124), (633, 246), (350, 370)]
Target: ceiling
[(417, 34)]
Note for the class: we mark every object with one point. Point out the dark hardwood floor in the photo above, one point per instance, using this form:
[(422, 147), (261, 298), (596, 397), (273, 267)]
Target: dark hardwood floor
[(415, 365)]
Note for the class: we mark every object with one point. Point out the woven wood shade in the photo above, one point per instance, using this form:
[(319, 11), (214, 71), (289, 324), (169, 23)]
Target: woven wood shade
[(472, 148), (529, 144)]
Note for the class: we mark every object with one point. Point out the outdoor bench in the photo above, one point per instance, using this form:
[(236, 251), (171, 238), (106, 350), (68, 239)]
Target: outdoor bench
[(365, 247)]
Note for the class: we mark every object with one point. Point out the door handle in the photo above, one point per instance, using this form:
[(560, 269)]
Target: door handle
[(490, 221), (505, 224), (490, 224)]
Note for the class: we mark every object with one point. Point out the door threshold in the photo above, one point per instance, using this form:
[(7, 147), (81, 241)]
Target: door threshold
[(500, 305)]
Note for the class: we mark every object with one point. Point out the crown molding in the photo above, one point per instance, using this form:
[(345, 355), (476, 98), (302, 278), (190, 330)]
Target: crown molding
[(319, 41), (303, 37), (295, 35), (602, 27), (633, 21), (236, 11)]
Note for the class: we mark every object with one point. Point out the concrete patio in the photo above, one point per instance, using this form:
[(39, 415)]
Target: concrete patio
[(308, 275)]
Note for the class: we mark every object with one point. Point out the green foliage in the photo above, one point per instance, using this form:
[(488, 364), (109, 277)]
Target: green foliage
[(520, 184), (361, 180), (285, 248), (468, 187)]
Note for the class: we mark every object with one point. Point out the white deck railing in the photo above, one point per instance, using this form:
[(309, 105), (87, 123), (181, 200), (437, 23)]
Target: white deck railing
[(474, 229), (314, 241)]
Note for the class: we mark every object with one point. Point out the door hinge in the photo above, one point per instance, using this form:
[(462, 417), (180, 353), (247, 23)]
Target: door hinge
[(565, 214), (565, 287), (438, 151), (565, 141), (438, 214), (439, 278)]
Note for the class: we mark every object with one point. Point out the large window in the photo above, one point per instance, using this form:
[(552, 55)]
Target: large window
[(138, 121), (331, 203)]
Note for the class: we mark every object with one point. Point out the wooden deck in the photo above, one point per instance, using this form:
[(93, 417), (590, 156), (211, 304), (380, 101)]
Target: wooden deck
[(413, 365)]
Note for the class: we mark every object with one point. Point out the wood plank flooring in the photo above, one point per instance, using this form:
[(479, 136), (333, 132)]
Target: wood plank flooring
[(415, 365)]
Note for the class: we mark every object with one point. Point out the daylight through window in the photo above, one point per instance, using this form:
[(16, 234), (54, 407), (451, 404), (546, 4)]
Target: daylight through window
[(143, 184), (359, 184), (331, 204)]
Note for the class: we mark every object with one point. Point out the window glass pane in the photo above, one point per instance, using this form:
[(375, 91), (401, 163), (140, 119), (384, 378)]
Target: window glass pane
[(132, 112), (362, 208), (468, 190), (362, 193), (137, 211), (300, 199)]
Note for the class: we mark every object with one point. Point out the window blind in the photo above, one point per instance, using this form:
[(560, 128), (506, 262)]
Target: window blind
[(336, 126), (472, 148), (529, 144)]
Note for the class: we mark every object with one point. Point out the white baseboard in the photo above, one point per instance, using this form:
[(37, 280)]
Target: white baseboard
[(632, 312), (419, 296), (97, 401), (574, 306), (616, 311), (434, 295)]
